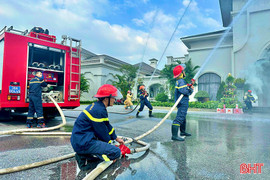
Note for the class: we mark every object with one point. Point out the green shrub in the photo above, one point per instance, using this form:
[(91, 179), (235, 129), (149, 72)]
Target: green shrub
[(239, 83), (220, 91), (201, 94), (87, 102), (161, 97)]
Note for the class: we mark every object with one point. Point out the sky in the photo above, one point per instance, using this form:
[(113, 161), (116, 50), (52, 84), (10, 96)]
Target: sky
[(118, 28)]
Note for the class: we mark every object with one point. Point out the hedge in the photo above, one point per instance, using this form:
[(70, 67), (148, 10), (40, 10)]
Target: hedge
[(197, 104), (194, 104)]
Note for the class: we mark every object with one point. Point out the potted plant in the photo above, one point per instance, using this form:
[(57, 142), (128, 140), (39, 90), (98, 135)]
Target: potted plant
[(202, 96)]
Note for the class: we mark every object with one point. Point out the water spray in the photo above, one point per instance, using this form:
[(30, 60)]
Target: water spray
[(169, 41), (222, 38)]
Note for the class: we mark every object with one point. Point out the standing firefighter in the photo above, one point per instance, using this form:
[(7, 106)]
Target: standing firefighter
[(92, 132), (128, 101), (248, 99), (144, 101), (181, 87), (35, 100)]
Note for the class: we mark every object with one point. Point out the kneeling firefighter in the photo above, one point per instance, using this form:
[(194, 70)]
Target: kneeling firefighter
[(92, 132), (181, 87), (144, 101)]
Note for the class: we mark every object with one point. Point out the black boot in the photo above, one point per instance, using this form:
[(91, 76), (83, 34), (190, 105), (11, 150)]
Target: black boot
[(150, 114), (137, 115), (175, 134), (183, 130), (86, 162)]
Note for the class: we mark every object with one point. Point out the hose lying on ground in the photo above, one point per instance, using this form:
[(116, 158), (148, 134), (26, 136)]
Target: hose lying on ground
[(36, 164), (41, 129), (103, 165)]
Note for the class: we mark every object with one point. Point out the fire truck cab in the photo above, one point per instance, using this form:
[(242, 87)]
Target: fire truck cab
[(22, 54)]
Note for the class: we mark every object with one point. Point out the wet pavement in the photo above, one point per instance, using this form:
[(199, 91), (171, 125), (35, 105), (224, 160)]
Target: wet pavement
[(219, 144)]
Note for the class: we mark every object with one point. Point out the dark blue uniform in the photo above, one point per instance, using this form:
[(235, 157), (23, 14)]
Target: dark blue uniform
[(144, 101), (35, 101), (92, 133), (182, 88), (248, 99)]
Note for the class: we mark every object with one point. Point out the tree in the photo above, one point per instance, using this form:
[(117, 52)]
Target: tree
[(84, 86), (167, 72), (125, 81), (220, 91), (229, 97), (190, 71)]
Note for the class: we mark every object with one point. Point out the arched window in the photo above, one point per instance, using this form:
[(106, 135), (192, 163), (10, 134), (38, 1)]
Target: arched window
[(210, 82)]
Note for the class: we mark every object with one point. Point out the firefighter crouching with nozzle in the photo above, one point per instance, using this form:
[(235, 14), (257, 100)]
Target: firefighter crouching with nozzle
[(181, 87), (144, 101), (248, 99), (92, 132), (128, 101), (35, 100)]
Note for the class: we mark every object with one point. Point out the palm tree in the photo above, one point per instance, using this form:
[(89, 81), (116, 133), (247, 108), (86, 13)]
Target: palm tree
[(125, 81), (167, 72), (190, 71)]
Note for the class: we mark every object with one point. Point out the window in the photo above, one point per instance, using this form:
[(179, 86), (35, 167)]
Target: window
[(210, 82), (1, 61)]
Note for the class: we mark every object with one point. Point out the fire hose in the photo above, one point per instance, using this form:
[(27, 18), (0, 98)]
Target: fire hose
[(18, 131), (101, 167)]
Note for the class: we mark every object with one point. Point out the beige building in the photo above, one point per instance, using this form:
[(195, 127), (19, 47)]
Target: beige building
[(100, 69), (244, 52)]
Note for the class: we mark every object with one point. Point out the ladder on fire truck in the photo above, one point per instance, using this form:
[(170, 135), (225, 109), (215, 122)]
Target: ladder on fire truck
[(75, 69)]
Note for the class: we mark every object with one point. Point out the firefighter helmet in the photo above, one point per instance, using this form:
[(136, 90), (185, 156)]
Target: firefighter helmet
[(249, 91), (141, 87), (106, 90), (177, 71), (128, 91)]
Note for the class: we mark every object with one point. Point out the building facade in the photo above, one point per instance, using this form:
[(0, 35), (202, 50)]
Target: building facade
[(100, 69), (244, 52)]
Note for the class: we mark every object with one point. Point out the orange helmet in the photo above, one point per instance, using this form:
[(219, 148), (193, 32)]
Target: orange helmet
[(177, 71), (106, 90), (141, 87)]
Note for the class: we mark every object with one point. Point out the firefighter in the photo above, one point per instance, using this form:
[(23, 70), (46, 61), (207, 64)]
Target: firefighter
[(128, 101), (181, 87), (248, 99), (92, 132), (35, 100), (144, 101)]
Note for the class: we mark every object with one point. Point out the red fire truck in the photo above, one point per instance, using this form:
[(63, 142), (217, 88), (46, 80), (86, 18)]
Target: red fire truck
[(22, 53)]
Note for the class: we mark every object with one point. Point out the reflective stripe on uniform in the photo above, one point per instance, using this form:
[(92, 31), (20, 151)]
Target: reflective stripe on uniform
[(40, 117), (94, 119), (175, 124), (111, 131), (105, 157), (35, 82), (29, 117), (180, 87)]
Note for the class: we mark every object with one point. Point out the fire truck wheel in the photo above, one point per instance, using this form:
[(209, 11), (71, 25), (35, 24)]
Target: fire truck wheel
[(5, 115), (50, 113)]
